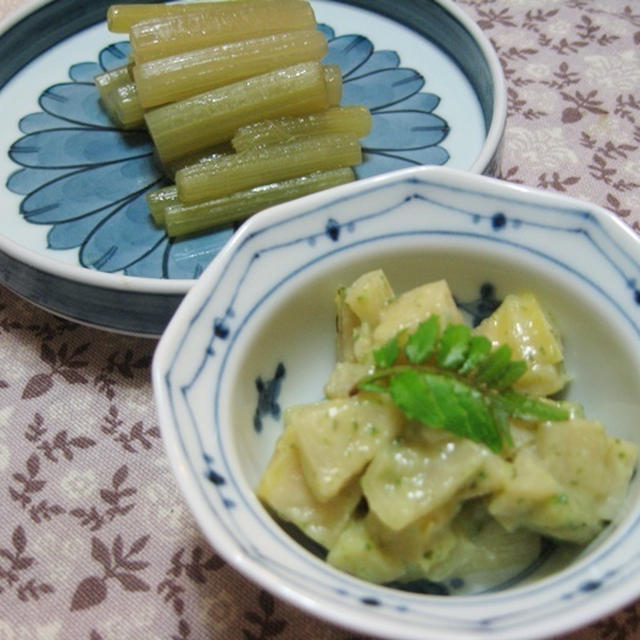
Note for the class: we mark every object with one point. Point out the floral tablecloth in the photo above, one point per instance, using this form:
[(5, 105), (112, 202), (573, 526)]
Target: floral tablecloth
[(96, 542)]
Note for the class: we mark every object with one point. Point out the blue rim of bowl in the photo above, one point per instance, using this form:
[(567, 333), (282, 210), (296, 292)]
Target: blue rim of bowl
[(100, 299), (573, 587)]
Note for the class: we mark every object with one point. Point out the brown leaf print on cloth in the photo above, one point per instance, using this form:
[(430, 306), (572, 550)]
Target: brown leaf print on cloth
[(93, 517), (132, 440), (28, 484), (63, 363), (117, 566), (581, 104), (14, 562), (120, 366), (267, 623), (572, 71), (173, 587)]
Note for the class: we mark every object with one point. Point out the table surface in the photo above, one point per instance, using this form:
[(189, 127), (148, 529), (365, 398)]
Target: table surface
[(96, 542)]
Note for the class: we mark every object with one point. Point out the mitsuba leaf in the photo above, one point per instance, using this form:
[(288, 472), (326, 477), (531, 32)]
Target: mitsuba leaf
[(442, 402), (411, 392), (494, 365), (387, 354), (513, 371), (453, 347), (479, 348), (520, 405), (456, 381), (501, 418), (421, 344)]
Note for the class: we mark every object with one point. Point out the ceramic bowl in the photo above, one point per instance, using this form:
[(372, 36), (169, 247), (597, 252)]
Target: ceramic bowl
[(77, 237), (256, 334)]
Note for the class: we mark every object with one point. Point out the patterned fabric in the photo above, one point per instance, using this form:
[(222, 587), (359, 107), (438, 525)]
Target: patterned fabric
[(96, 542)]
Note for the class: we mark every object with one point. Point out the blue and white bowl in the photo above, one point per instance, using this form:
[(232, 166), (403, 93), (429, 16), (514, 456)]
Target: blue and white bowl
[(256, 334)]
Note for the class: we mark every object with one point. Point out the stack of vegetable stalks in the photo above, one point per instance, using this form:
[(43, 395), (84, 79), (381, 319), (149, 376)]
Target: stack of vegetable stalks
[(241, 110)]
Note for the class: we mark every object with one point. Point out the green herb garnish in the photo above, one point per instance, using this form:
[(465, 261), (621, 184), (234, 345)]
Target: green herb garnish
[(454, 380)]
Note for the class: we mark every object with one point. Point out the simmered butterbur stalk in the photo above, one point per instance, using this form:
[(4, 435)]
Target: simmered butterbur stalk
[(186, 74), (159, 200), (333, 82), (121, 17), (183, 219), (355, 118), (223, 176), (126, 106), (202, 155), (217, 23), (186, 126), (107, 83)]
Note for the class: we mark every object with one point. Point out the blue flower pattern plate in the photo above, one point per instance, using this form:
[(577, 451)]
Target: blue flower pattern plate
[(78, 184)]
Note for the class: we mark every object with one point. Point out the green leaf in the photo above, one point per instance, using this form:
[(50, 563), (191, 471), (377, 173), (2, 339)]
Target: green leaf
[(455, 416), (422, 342), (501, 417), (387, 354), (494, 365), (521, 405), (411, 393), (468, 390), (479, 348), (513, 371), (365, 385), (442, 402), (453, 346), (482, 424)]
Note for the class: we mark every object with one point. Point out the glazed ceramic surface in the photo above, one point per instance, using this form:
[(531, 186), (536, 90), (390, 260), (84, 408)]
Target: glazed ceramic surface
[(77, 237), (257, 334)]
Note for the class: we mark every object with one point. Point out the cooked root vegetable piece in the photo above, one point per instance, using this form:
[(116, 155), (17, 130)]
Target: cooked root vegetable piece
[(337, 438), (346, 324), (520, 323), (358, 552), (368, 295), (186, 74), (409, 309), (217, 23), (344, 378), (183, 219), (224, 175), (209, 118), (284, 490), (391, 481), (367, 548), (356, 119)]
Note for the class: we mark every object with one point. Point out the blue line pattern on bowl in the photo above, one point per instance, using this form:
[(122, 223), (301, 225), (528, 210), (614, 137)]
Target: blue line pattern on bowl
[(70, 146), (581, 231)]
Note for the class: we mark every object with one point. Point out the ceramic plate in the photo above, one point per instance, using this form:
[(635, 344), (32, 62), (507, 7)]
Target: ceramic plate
[(77, 238)]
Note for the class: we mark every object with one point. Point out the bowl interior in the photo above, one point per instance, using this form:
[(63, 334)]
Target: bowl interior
[(293, 326)]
